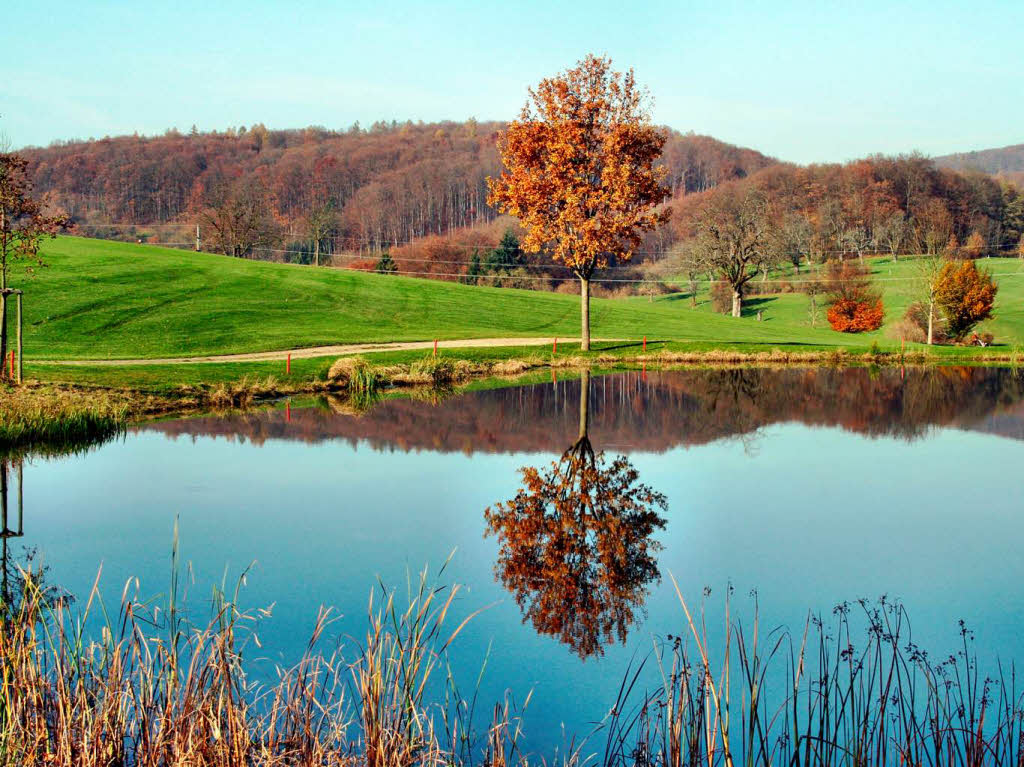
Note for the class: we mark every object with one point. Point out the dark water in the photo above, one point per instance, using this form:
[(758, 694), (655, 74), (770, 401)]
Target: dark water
[(811, 486)]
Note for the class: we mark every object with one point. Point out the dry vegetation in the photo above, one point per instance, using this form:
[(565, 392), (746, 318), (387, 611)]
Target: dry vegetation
[(153, 689)]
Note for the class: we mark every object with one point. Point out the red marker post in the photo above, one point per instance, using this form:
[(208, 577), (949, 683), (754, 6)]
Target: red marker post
[(645, 344), (554, 347), (288, 365), (435, 347)]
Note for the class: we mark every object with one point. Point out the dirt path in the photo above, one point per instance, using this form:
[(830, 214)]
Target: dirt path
[(324, 351)]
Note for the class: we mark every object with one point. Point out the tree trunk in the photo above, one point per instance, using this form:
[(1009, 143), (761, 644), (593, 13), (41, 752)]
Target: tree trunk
[(316, 252), (737, 303), (585, 314), (931, 321), (584, 403), (3, 335)]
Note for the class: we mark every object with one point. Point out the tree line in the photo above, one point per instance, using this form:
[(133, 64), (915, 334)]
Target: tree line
[(313, 191)]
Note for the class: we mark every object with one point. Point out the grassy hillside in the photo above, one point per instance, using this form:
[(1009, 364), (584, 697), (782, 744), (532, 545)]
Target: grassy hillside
[(100, 299)]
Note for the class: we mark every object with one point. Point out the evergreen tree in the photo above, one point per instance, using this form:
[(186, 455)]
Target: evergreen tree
[(386, 264), (507, 255)]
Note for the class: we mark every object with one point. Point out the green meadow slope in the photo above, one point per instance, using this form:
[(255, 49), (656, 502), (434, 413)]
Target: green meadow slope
[(104, 300)]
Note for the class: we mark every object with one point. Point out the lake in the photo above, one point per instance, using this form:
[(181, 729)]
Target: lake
[(811, 487)]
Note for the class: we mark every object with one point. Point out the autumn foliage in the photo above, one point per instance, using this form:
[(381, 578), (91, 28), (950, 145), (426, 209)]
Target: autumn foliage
[(966, 296), (580, 171), (856, 306), (848, 316), (576, 547)]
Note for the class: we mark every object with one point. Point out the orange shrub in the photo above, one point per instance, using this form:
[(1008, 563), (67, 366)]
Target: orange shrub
[(849, 316)]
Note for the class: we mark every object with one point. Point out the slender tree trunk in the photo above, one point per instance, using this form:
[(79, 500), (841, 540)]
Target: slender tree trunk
[(585, 313), (3, 303), (584, 403), (737, 303), (3, 335), (316, 252), (931, 321)]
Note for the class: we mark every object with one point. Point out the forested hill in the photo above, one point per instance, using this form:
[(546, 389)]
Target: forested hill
[(383, 186), (1005, 161)]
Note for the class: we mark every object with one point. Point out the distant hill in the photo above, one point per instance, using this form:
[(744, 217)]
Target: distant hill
[(384, 186), (1006, 162)]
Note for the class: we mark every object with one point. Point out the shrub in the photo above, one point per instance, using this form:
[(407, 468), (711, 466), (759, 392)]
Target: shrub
[(438, 371), (913, 326), (849, 316), (856, 306)]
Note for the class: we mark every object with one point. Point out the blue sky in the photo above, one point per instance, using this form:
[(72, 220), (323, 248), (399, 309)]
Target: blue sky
[(816, 81)]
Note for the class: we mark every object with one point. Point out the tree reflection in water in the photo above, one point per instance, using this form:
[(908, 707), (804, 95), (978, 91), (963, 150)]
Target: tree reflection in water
[(577, 549), (28, 573), (12, 525)]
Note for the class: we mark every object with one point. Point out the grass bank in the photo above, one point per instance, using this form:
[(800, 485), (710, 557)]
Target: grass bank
[(105, 300), (58, 417), (92, 399)]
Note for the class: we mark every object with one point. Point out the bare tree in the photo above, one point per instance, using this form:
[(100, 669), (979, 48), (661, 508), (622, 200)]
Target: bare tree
[(894, 234), (732, 236), (928, 269), (321, 224), (791, 239), (240, 220)]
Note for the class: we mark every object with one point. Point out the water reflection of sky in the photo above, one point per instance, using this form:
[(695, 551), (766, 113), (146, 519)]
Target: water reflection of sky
[(811, 517)]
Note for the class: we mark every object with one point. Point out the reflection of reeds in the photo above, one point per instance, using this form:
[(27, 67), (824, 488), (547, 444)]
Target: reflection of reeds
[(153, 689)]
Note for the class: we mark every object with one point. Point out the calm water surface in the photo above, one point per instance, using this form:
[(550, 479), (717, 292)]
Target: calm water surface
[(811, 486)]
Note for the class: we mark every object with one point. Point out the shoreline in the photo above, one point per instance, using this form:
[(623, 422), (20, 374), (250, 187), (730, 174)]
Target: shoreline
[(40, 413)]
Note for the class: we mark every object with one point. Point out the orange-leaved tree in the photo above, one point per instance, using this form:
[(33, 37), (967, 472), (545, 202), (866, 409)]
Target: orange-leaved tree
[(23, 227), (966, 295), (580, 171)]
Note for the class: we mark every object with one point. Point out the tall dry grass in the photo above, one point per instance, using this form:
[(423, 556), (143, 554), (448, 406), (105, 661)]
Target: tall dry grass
[(151, 688), (57, 416)]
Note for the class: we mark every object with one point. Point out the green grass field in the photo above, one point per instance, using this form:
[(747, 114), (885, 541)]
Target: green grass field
[(106, 300)]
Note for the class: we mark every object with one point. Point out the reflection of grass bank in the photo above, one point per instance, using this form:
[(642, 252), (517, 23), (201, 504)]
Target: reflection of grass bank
[(852, 689), (166, 389)]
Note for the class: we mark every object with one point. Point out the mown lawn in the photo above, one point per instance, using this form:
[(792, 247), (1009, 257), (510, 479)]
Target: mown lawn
[(105, 300)]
